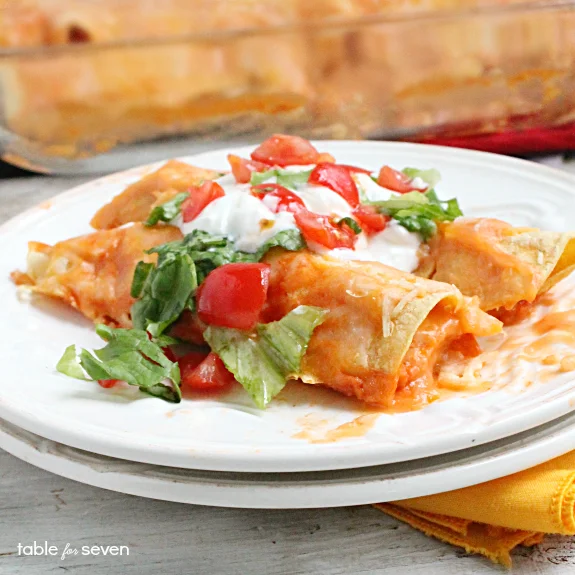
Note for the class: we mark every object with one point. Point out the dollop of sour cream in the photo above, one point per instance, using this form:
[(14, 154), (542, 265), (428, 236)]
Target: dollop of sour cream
[(249, 222), (395, 247), (243, 218)]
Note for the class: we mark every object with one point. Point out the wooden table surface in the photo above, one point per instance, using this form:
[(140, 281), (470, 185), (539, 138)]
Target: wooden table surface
[(170, 538)]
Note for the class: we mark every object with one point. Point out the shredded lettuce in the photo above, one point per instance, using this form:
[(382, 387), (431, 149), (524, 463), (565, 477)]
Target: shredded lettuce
[(285, 178), (167, 211), (165, 293), (129, 356), (141, 274), (290, 240), (431, 177), (168, 288), (419, 212), (351, 223), (69, 364), (262, 363)]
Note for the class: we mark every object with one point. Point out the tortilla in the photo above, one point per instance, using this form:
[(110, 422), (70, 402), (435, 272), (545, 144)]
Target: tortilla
[(136, 202), (93, 273), (500, 264), (385, 330)]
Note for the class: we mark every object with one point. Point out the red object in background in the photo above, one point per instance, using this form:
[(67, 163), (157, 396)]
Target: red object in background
[(513, 142)]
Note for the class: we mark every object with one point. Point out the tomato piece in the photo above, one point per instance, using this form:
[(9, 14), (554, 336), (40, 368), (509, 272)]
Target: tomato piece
[(394, 180), (338, 179), (200, 197), (321, 230), (242, 169), (108, 383), (355, 169), (188, 327), (203, 372), (325, 157), (370, 220), (233, 295), (169, 354), (282, 150), (284, 199)]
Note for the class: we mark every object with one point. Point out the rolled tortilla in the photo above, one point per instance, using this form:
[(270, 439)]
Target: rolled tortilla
[(93, 273), (500, 264), (135, 203), (386, 331)]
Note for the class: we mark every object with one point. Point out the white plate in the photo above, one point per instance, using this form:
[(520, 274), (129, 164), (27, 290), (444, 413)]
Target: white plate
[(297, 490), (230, 434)]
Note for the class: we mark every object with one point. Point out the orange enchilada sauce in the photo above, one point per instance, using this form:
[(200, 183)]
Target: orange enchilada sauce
[(439, 339)]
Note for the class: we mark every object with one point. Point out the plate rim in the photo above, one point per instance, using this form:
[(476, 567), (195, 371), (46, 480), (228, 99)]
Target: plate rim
[(246, 458), (304, 490)]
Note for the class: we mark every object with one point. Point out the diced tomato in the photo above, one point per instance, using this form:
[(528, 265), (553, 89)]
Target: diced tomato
[(321, 230), (201, 372), (325, 157), (189, 328), (285, 200), (338, 179), (200, 197), (282, 150), (394, 180), (233, 295), (355, 169), (108, 383), (370, 220), (190, 361), (242, 169), (169, 353)]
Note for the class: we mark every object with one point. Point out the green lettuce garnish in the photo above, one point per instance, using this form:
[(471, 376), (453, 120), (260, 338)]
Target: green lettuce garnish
[(285, 178), (165, 293), (351, 223), (166, 289), (129, 356), (419, 212), (431, 177), (263, 362), (167, 211), (69, 364), (290, 240)]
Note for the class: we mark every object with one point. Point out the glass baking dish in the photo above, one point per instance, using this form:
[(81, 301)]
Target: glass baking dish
[(99, 85)]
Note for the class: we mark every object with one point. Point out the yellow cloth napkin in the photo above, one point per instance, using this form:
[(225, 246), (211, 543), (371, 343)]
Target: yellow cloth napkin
[(494, 517)]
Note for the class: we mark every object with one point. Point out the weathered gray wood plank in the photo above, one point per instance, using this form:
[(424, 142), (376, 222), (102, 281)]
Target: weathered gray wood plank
[(173, 538), (17, 195)]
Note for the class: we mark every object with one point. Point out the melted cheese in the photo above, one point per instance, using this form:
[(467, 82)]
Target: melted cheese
[(540, 348)]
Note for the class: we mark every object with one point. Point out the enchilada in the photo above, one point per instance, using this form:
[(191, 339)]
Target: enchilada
[(291, 266)]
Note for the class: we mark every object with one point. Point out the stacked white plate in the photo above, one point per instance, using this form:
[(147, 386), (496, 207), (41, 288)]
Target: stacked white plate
[(310, 448)]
